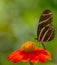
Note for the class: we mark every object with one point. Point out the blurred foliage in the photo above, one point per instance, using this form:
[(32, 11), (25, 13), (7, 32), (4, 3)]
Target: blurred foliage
[(18, 23)]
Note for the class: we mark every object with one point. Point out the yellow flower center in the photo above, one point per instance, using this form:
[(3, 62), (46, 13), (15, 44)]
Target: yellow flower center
[(29, 46)]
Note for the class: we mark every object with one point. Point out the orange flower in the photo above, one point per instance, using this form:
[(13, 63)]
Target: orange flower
[(34, 55)]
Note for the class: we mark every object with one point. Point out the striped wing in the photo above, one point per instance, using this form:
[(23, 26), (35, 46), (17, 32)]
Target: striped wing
[(45, 31)]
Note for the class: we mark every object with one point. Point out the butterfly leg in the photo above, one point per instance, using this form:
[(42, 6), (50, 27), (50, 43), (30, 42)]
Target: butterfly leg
[(43, 45)]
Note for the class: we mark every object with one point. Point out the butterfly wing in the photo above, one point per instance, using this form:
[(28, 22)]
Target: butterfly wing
[(45, 31)]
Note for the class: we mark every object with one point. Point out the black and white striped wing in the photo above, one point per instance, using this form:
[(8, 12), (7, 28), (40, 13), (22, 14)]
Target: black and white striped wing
[(45, 31)]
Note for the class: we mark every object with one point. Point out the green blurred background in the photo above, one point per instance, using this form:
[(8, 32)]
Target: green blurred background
[(18, 23)]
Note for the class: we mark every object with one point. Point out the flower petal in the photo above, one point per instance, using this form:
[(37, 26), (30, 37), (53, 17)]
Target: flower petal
[(38, 55), (42, 58), (25, 57), (15, 56)]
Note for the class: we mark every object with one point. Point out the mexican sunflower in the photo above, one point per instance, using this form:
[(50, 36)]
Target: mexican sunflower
[(29, 52)]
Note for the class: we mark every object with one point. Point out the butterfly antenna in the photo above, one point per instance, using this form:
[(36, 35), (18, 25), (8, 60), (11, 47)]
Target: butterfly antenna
[(43, 45)]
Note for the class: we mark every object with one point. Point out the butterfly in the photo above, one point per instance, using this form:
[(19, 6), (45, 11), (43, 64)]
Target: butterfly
[(45, 30)]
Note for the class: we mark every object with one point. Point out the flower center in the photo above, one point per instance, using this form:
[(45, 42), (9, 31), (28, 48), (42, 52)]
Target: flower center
[(29, 46)]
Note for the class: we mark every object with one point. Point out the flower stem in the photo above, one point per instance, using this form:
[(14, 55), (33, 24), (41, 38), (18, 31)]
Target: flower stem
[(31, 63)]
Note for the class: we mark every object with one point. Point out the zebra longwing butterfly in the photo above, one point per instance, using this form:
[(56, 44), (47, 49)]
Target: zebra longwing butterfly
[(45, 30)]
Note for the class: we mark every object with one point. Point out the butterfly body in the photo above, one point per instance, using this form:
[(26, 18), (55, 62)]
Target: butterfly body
[(45, 30)]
